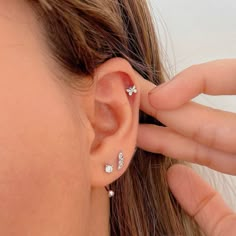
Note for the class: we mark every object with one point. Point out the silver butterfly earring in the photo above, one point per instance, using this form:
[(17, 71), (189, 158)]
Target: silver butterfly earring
[(131, 90)]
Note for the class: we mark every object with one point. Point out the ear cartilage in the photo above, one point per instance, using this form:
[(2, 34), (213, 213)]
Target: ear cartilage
[(108, 169), (131, 90), (120, 160)]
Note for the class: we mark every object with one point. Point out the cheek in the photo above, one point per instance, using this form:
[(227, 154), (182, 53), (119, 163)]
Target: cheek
[(44, 178)]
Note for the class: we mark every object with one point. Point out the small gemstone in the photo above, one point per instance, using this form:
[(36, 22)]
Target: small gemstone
[(108, 168), (131, 90), (111, 193), (121, 160)]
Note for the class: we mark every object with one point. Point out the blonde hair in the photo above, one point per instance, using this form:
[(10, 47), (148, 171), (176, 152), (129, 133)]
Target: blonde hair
[(82, 34)]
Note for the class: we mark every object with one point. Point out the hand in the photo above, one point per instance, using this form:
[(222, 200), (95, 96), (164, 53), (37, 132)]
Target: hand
[(194, 132), (197, 134), (201, 202)]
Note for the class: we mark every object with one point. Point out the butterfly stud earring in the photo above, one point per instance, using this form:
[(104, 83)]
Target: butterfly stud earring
[(131, 90)]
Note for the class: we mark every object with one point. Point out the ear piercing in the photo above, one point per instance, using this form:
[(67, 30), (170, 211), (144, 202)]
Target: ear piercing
[(109, 169), (110, 192), (131, 90), (120, 160)]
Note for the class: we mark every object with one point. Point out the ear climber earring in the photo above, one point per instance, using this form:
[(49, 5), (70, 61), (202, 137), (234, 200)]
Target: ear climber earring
[(108, 169), (131, 90), (120, 160)]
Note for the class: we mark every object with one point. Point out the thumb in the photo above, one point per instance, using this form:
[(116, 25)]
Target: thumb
[(201, 201)]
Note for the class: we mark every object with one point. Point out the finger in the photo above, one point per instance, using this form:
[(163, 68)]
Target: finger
[(213, 78), (146, 86), (164, 140), (201, 201), (211, 127)]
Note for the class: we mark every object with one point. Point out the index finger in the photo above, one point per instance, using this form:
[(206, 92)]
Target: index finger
[(212, 78), (201, 201)]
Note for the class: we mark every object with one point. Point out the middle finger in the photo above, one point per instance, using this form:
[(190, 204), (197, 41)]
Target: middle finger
[(163, 140), (208, 126), (211, 127)]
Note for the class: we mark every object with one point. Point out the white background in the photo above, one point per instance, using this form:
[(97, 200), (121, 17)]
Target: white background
[(193, 32)]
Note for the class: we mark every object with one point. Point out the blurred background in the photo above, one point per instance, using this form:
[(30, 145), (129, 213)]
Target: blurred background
[(192, 32)]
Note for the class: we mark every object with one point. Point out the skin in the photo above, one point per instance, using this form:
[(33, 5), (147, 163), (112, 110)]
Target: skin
[(55, 141), (207, 138)]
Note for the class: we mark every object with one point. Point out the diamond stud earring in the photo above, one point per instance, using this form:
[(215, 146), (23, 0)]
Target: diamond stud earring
[(108, 169), (120, 160), (131, 90)]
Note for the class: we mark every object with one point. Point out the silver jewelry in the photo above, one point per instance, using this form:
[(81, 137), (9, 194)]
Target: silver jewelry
[(108, 169), (131, 90), (111, 193), (120, 160)]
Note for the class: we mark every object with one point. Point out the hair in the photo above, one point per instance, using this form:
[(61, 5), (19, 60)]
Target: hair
[(82, 34)]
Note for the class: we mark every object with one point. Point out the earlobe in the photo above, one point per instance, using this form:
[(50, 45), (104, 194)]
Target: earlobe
[(115, 121)]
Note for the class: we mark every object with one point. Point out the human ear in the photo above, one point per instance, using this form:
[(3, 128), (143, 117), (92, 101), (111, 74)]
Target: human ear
[(115, 120)]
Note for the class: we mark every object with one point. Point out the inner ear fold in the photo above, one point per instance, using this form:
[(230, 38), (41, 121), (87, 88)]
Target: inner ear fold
[(106, 123), (112, 107), (114, 119)]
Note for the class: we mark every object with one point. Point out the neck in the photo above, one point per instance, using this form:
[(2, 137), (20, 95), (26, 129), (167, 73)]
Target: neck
[(99, 212)]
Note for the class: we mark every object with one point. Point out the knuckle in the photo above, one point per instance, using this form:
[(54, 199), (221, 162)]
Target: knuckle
[(207, 134), (197, 133), (196, 68), (204, 203), (196, 154), (225, 225), (201, 155)]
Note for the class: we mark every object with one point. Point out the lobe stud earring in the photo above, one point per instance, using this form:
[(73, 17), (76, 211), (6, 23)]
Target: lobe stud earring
[(120, 160), (131, 90), (108, 169), (110, 192)]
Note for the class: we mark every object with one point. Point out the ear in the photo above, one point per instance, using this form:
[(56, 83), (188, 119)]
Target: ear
[(115, 120)]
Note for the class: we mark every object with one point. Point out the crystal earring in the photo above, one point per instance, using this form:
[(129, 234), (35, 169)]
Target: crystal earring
[(108, 168), (111, 193), (120, 160), (131, 90)]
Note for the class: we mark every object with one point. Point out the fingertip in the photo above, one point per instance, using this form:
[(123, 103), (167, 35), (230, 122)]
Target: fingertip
[(201, 201), (165, 96), (156, 96), (176, 174), (157, 88), (156, 100)]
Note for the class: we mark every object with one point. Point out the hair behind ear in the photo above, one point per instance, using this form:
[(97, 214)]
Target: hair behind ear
[(81, 36)]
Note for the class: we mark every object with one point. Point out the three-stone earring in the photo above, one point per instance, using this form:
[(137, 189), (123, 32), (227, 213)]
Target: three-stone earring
[(131, 90), (120, 160), (109, 169)]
